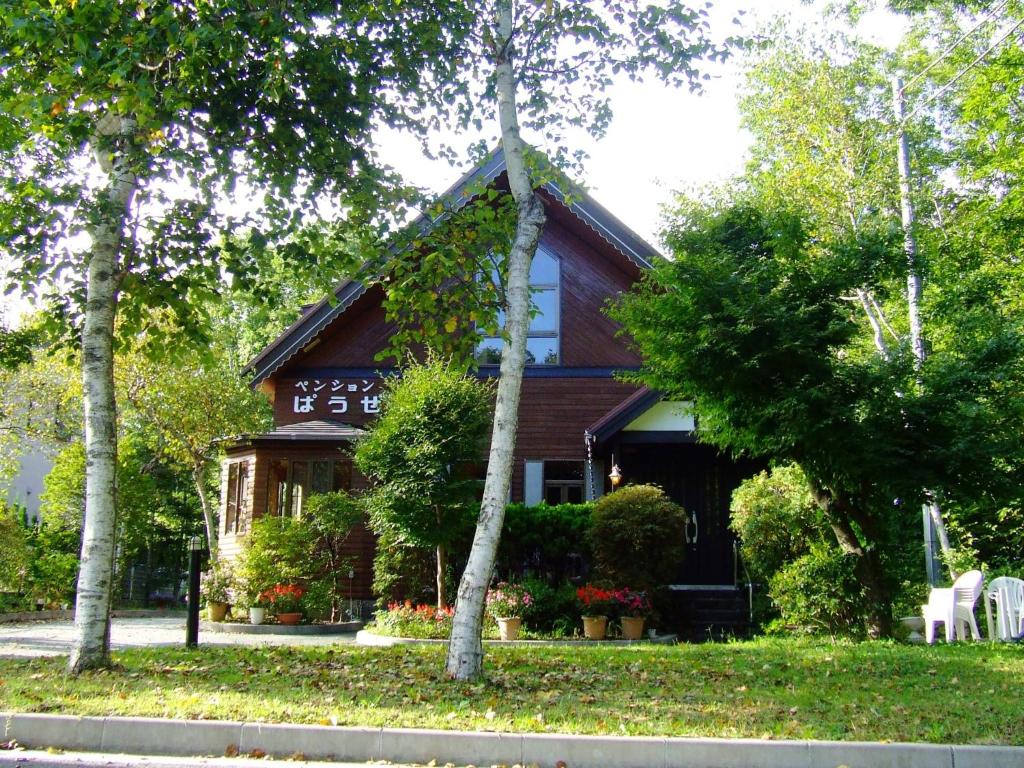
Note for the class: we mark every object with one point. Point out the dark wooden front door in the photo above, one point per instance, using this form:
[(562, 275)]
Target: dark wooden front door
[(702, 481)]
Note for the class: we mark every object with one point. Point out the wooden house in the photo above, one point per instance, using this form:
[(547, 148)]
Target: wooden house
[(576, 418)]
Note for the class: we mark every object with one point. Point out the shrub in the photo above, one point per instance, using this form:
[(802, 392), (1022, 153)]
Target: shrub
[(283, 598), (629, 602), (331, 518), (776, 520), (554, 609), (217, 584), (818, 593), (278, 550), (637, 537), (547, 540), (426, 622), (595, 601), (402, 572)]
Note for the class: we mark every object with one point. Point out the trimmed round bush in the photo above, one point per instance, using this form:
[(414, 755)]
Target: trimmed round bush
[(636, 537), (818, 593)]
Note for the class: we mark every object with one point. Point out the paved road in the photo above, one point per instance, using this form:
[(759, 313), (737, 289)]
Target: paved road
[(53, 638), (39, 759)]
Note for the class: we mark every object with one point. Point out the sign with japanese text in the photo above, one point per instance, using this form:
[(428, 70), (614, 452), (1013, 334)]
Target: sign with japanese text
[(334, 399)]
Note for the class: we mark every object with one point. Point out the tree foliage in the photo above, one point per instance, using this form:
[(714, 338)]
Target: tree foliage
[(431, 428), (769, 357)]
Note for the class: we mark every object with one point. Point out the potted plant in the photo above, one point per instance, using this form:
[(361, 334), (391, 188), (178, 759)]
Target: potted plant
[(215, 586), (594, 605), (285, 602), (507, 603), (633, 608)]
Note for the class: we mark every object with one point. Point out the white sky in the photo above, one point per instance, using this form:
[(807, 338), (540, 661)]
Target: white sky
[(661, 139)]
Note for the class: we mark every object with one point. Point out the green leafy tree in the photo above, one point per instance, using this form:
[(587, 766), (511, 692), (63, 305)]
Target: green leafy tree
[(432, 424), (182, 407), (106, 107), (332, 517), (768, 360)]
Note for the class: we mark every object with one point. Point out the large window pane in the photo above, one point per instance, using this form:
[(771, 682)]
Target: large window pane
[(322, 478), (489, 351), (342, 476), (546, 302), (231, 507), (242, 508), (542, 351), (544, 269)]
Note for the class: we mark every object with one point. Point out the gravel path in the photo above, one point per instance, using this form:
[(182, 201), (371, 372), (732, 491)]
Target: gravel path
[(53, 638)]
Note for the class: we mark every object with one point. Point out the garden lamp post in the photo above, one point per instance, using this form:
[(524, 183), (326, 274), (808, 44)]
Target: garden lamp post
[(195, 548)]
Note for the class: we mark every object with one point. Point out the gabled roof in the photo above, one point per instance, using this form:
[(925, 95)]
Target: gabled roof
[(587, 210), (624, 413)]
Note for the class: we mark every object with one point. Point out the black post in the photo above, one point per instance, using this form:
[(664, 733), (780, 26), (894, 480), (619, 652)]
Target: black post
[(194, 565)]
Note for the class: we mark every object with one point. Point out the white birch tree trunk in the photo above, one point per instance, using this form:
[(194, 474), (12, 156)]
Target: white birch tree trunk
[(465, 651), (209, 518), (917, 344), (95, 581)]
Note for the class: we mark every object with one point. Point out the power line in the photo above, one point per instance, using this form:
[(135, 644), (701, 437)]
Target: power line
[(963, 71), (989, 16)]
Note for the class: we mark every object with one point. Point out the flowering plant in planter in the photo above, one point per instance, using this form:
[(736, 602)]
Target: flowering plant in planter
[(632, 603), (215, 585), (594, 601), (506, 601), (283, 598)]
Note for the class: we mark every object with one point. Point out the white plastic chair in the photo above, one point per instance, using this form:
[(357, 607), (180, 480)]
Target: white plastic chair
[(1008, 595), (954, 606)]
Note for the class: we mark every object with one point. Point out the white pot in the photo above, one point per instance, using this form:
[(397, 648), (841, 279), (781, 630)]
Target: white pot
[(256, 615)]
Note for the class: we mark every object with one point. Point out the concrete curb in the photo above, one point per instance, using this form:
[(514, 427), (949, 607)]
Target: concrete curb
[(343, 628), (366, 637), (135, 735)]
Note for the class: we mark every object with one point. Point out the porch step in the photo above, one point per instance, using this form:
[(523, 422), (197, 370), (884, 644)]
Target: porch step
[(708, 613)]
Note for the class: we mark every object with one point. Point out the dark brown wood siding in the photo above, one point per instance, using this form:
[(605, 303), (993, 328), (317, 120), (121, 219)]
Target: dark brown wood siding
[(589, 278), (553, 416)]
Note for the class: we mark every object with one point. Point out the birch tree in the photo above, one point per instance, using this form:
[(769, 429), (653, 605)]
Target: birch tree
[(540, 69), (119, 127)]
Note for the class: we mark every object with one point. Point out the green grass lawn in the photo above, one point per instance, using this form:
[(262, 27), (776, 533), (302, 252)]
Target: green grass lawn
[(782, 689)]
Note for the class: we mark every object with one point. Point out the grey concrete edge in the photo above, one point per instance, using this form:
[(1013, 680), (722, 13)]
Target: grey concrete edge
[(343, 628), (368, 638), (135, 735)]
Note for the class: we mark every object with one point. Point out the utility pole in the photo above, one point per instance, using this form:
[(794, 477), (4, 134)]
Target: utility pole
[(934, 527)]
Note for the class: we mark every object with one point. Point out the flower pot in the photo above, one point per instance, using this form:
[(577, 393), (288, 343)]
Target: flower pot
[(257, 614), (289, 619), (508, 629), (632, 627), (217, 610), (595, 627)]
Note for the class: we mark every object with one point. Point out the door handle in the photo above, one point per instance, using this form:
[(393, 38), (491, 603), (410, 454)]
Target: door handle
[(696, 528)]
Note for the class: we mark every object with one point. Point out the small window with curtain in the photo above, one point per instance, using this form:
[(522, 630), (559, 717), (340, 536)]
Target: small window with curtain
[(236, 506), (291, 482)]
